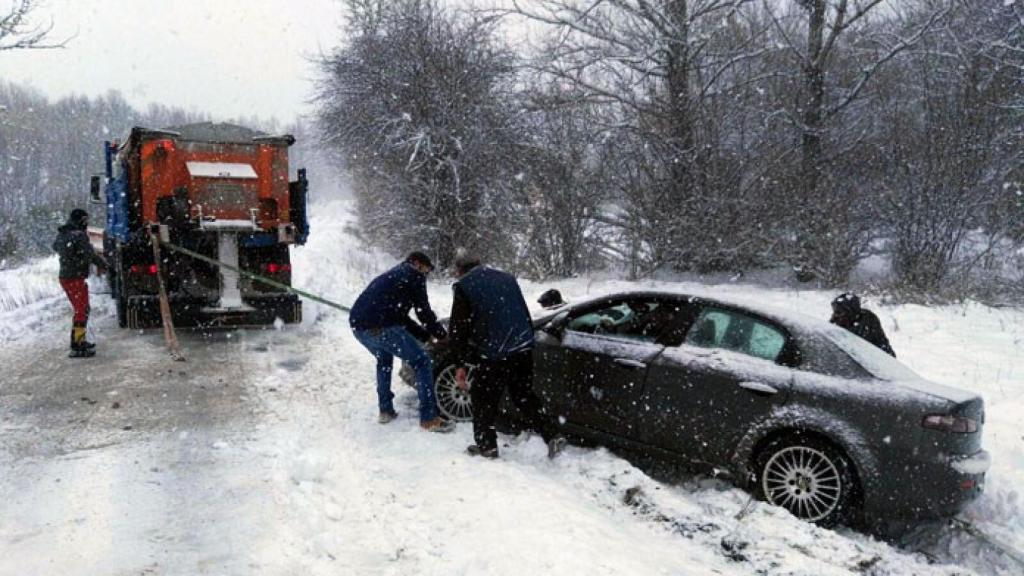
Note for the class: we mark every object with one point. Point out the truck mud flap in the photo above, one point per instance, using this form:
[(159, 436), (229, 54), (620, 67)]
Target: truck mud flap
[(142, 312)]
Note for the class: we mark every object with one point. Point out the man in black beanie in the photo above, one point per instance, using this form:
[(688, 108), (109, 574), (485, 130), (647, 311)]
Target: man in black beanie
[(847, 313), (76, 254)]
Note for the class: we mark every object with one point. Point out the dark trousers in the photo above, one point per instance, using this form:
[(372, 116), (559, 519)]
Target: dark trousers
[(490, 379)]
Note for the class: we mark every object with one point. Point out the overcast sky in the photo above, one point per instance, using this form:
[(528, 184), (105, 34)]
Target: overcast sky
[(226, 57)]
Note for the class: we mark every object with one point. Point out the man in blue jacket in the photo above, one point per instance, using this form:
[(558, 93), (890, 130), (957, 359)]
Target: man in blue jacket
[(491, 329), (380, 321)]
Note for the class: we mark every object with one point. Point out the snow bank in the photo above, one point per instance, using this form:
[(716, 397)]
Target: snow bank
[(31, 298), (28, 284), (334, 264)]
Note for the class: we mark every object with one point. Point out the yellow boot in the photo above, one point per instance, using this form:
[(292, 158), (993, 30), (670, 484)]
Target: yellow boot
[(79, 347)]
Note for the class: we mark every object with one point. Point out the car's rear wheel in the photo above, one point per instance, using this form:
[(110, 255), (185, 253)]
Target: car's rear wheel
[(810, 478), (453, 402)]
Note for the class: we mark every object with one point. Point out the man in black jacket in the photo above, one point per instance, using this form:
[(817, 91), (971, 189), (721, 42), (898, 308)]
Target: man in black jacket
[(380, 321), (76, 254), (490, 327), (847, 313)]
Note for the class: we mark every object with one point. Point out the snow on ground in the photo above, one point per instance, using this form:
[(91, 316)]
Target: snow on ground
[(309, 483)]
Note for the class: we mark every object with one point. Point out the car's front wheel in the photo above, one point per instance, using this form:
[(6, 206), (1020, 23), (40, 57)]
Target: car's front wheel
[(453, 402), (810, 478)]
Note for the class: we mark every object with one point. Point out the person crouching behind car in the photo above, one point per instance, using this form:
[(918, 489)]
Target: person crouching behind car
[(551, 300), (847, 313), (380, 321), (490, 327), (76, 254)]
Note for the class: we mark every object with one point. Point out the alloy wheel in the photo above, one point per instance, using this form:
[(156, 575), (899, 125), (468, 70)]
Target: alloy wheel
[(804, 480), (454, 403)]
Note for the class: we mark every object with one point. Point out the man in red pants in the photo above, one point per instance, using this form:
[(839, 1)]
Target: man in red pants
[(76, 254)]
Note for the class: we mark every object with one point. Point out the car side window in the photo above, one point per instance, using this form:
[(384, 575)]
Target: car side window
[(731, 330), (641, 319)]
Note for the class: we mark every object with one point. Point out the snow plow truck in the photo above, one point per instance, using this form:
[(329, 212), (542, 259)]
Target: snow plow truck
[(218, 190)]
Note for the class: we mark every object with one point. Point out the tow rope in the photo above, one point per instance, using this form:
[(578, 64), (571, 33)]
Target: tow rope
[(998, 544), (257, 277)]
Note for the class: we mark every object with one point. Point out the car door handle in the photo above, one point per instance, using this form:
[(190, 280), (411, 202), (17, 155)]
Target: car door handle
[(630, 363), (759, 388)]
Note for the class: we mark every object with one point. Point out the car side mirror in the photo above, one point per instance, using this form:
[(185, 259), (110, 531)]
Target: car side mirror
[(94, 189), (556, 326)]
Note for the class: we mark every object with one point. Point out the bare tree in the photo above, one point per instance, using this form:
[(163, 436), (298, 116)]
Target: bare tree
[(418, 103), (955, 142), (19, 32), (835, 49), (672, 72), (564, 183)]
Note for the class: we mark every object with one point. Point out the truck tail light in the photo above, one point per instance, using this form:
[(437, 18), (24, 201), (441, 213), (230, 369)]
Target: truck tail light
[(149, 269), (948, 423), (275, 268)]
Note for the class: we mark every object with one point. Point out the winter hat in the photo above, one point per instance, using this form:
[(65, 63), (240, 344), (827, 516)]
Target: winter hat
[(551, 299), (846, 302), (78, 218), (419, 258)]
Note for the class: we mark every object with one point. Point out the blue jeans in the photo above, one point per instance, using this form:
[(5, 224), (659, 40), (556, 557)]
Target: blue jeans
[(385, 344)]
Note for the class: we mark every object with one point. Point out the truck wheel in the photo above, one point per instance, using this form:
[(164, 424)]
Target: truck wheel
[(122, 313), (452, 401)]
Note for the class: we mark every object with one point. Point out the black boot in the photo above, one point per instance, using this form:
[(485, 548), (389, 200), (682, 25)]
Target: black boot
[(80, 351), (475, 450)]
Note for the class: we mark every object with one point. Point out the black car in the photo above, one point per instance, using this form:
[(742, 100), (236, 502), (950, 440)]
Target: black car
[(805, 414)]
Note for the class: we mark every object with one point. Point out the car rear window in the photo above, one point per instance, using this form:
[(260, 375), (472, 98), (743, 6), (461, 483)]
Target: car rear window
[(870, 357)]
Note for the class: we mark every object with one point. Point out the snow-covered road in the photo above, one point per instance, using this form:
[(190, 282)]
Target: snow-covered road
[(261, 454), (131, 462)]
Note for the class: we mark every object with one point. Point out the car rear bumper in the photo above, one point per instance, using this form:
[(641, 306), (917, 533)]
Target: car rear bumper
[(929, 488)]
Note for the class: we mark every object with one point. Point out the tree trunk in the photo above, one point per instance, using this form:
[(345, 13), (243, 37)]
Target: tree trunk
[(813, 110)]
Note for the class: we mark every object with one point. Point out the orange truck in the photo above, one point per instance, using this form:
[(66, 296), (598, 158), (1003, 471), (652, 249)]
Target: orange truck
[(219, 190)]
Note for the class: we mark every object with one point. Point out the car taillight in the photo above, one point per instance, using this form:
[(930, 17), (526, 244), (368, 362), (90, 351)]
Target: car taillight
[(274, 268), (947, 423)]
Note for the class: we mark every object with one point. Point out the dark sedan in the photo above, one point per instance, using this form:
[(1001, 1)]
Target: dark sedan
[(805, 414)]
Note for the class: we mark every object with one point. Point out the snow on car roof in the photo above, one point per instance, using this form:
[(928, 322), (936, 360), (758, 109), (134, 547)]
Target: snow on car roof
[(790, 319), (808, 328)]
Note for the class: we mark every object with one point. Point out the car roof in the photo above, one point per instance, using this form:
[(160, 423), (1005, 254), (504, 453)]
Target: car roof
[(797, 322), (814, 335)]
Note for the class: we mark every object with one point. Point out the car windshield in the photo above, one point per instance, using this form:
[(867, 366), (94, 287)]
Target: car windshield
[(870, 357)]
